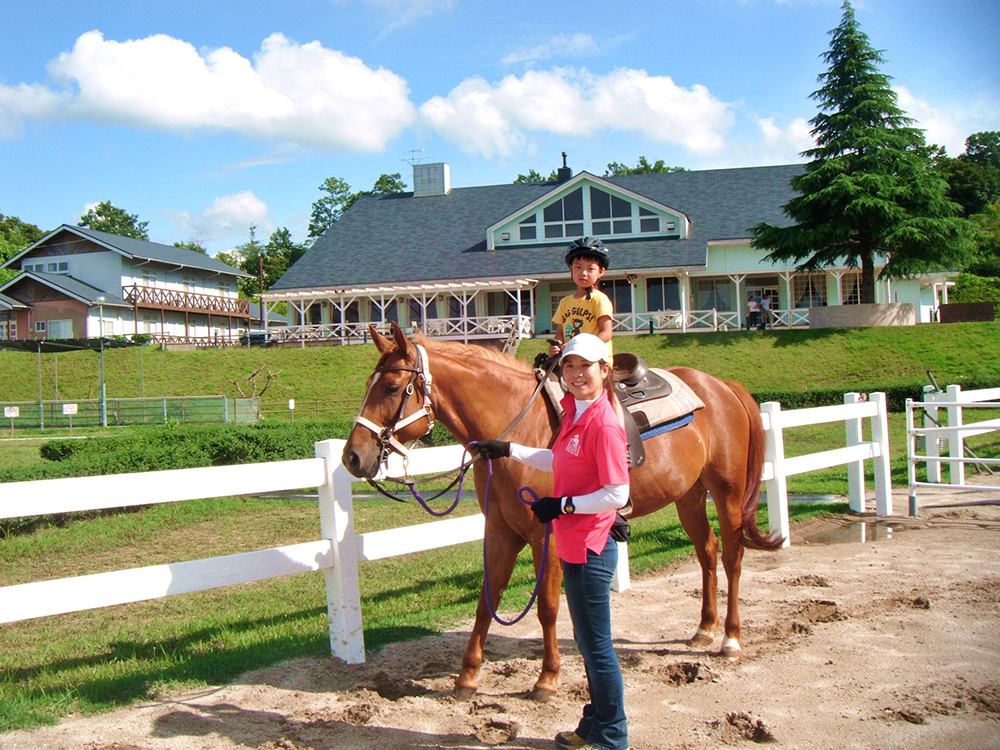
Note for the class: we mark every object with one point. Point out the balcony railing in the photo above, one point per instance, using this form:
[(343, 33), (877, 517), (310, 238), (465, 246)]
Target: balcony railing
[(169, 299)]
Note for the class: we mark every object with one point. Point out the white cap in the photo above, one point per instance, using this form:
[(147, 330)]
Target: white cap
[(587, 346)]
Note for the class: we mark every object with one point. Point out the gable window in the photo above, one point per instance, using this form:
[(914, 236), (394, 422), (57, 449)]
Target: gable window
[(609, 213), (648, 221), (529, 228), (564, 218), (60, 267)]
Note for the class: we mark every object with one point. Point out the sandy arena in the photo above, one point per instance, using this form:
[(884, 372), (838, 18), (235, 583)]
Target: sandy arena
[(890, 643)]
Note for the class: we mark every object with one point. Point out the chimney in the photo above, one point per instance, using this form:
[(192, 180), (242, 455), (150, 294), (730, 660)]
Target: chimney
[(431, 179), (564, 173)]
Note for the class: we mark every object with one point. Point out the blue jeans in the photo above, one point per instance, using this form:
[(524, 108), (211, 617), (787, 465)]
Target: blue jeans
[(588, 592)]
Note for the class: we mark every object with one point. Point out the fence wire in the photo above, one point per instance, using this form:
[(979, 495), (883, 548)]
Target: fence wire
[(38, 415)]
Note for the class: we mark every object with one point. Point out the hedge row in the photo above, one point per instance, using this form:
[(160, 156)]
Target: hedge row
[(896, 394)]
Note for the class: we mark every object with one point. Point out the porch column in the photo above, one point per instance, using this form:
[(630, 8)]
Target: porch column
[(683, 290), (737, 279)]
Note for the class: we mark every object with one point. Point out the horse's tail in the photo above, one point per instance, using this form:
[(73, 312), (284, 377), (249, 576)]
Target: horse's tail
[(752, 536)]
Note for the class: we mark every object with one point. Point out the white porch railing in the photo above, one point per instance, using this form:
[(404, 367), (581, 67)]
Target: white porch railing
[(340, 551), (462, 329), (665, 321)]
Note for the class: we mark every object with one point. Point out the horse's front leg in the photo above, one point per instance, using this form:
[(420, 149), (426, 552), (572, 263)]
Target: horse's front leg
[(548, 611), (502, 546)]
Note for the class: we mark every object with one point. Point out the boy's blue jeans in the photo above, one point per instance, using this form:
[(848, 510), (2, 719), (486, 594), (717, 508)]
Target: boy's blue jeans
[(588, 592)]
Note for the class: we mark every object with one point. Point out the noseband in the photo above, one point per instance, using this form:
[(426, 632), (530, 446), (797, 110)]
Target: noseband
[(421, 375)]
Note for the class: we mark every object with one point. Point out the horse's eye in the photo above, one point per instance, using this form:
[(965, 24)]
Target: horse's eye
[(392, 389)]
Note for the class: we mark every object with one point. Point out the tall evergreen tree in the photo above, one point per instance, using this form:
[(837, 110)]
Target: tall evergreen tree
[(871, 189)]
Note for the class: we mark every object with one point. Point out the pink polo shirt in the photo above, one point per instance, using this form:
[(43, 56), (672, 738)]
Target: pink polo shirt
[(586, 456)]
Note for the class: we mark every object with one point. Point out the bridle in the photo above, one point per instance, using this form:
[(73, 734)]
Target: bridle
[(420, 376)]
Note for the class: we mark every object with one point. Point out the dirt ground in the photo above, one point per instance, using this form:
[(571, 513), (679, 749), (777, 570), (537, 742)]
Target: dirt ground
[(888, 643)]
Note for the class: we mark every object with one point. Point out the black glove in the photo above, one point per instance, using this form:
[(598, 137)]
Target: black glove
[(547, 508), (493, 449), (543, 360)]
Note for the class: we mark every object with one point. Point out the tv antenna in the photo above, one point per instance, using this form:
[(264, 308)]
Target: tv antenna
[(411, 156)]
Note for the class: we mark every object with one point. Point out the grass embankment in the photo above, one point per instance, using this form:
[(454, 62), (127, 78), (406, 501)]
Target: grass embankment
[(853, 359), (91, 661)]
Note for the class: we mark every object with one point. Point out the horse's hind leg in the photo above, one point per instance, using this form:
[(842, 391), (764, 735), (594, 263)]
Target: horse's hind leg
[(730, 519), (502, 546), (694, 519)]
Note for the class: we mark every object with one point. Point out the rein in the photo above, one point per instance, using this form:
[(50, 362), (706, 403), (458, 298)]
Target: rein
[(389, 444)]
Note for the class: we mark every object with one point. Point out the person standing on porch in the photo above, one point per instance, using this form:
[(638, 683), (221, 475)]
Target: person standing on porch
[(590, 483)]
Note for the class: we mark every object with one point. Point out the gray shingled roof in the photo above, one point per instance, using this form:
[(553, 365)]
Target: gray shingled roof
[(398, 238), (70, 286), (142, 249)]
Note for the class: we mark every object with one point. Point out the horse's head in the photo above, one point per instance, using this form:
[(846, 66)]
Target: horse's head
[(397, 407)]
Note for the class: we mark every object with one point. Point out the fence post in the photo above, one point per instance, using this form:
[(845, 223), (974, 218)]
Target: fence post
[(777, 490), (956, 440), (932, 444), (343, 594), (883, 473), (855, 469)]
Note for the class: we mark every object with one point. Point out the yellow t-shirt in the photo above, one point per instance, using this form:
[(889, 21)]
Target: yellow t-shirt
[(575, 316)]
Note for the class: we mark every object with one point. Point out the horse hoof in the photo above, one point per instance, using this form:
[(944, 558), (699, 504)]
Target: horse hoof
[(541, 696), (731, 649), (701, 639), (465, 693)]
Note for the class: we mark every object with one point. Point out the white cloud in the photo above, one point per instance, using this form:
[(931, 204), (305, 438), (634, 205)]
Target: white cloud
[(575, 45), (25, 101), (300, 93), (496, 120), (228, 217), (948, 129)]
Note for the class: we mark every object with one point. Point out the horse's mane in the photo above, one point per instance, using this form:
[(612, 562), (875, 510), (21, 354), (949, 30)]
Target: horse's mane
[(471, 350)]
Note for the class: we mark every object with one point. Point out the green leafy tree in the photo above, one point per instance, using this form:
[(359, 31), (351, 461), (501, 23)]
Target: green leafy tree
[(328, 209), (983, 149), (192, 245), (533, 176), (15, 235), (987, 238), (642, 167), (278, 254), (871, 188), (106, 217)]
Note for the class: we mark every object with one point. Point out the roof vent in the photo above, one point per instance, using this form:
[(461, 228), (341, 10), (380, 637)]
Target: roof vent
[(431, 179), (565, 173)]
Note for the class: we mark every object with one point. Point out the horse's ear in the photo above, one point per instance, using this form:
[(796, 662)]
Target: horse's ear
[(381, 342), (399, 336)]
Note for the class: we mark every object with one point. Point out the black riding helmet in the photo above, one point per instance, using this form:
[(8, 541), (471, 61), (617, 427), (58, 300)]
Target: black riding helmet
[(590, 247)]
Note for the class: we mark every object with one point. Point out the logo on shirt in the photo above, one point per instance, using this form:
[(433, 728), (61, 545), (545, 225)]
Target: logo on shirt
[(573, 446)]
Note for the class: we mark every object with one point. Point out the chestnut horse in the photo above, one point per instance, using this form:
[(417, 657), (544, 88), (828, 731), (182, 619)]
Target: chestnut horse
[(476, 393)]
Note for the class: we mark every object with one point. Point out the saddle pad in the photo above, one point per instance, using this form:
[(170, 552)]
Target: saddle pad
[(680, 402)]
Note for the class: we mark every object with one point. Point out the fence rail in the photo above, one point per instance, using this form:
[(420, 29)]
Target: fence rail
[(952, 436), (129, 411)]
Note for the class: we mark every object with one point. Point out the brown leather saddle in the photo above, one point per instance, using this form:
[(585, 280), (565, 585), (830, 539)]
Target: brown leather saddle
[(635, 383)]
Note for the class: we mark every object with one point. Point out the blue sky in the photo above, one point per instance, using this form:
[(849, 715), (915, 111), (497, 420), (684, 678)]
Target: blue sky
[(205, 118)]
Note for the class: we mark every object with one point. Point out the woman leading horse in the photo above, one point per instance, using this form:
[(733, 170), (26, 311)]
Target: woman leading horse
[(477, 392)]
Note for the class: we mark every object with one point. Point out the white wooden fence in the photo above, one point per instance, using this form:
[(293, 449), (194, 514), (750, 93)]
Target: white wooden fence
[(937, 435), (340, 551), (777, 467)]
